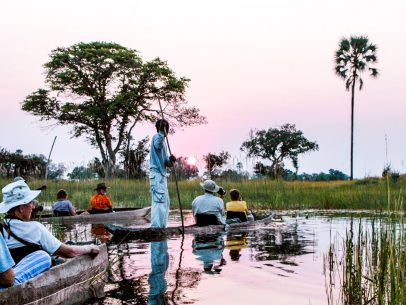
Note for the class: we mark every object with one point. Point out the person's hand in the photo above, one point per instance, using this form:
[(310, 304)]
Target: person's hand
[(172, 158), (93, 250)]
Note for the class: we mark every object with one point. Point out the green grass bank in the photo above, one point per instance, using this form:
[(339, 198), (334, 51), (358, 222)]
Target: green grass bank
[(367, 193)]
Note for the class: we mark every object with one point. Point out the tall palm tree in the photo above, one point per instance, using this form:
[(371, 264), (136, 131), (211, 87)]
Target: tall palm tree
[(354, 57)]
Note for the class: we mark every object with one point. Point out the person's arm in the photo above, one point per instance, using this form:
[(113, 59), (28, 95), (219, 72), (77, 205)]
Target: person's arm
[(72, 210), (6, 264), (109, 204), (7, 278), (72, 250)]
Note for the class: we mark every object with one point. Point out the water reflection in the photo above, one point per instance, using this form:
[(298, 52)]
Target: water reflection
[(281, 245), (234, 243), (245, 266), (209, 250), (156, 279)]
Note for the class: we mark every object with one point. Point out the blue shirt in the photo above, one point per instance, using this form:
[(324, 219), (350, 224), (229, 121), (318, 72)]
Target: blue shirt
[(62, 206), (158, 159), (6, 261), (209, 204)]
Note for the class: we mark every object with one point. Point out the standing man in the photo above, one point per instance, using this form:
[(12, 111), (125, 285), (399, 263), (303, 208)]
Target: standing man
[(159, 161)]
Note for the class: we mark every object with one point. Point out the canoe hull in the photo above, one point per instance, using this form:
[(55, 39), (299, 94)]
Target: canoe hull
[(77, 280), (120, 232), (100, 218)]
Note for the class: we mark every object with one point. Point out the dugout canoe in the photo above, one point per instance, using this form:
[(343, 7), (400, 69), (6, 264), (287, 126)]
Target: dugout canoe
[(76, 281), (121, 232), (119, 214)]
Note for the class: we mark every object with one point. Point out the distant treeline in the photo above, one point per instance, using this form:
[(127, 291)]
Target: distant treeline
[(134, 165)]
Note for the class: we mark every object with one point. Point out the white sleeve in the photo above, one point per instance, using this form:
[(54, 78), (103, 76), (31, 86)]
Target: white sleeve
[(47, 241)]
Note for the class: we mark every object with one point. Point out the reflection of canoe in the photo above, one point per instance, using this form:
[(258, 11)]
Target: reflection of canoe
[(119, 214), (123, 232), (73, 282)]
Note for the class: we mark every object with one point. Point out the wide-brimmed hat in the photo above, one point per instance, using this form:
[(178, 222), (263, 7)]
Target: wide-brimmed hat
[(210, 185), (15, 194), (101, 186)]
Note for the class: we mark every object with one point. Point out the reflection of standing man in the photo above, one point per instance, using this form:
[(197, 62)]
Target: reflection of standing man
[(159, 161), (156, 279)]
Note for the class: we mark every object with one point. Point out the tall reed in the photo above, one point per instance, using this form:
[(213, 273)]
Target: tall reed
[(372, 267), (259, 194)]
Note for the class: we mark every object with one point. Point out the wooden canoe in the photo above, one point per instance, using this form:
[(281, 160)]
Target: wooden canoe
[(74, 282), (121, 232), (118, 215)]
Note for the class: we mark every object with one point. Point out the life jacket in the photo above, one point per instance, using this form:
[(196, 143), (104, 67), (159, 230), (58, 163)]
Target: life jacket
[(18, 253)]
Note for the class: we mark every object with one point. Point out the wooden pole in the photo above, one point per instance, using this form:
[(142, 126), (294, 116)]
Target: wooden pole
[(49, 158)]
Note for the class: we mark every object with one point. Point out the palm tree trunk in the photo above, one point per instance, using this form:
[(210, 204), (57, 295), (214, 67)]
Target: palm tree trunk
[(352, 129)]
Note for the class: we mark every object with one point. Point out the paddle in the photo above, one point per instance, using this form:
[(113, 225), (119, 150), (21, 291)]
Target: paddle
[(174, 172)]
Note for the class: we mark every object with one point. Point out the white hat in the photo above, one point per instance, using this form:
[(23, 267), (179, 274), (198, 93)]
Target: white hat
[(15, 194), (210, 185)]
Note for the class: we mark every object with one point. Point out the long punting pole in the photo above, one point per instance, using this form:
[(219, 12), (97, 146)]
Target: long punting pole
[(49, 158)]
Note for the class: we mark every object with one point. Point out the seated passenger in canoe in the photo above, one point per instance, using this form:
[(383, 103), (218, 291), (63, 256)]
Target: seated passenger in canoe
[(13, 274), (63, 206), (100, 202), (237, 208), (23, 236), (208, 209)]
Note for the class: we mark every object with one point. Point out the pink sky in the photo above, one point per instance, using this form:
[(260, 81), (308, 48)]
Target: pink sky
[(252, 64)]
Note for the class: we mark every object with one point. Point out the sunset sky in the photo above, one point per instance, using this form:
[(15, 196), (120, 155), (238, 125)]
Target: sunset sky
[(252, 64)]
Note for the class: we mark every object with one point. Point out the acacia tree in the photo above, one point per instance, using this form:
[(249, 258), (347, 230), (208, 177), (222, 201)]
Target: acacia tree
[(276, 145), (214, 162), (353, 57), (103, 90)]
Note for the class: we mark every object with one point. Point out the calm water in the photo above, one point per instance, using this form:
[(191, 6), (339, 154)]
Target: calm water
[(278, 264)]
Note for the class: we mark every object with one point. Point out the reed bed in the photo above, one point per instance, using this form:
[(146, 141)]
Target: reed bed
[(371, 267), (367, 194)]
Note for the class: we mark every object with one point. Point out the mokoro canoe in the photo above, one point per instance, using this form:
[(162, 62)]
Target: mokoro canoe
[(74, 282), (120, 232), (118, 215)]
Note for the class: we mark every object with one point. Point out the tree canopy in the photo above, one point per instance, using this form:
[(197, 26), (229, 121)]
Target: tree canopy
[(276, 145), (103, 90), (213, 163)]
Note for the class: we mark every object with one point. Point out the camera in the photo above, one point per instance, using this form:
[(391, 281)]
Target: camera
[(221, 191)]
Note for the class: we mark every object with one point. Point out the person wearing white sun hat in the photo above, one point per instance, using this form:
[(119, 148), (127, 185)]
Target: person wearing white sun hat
[(32, 264), (206, 208), (24, 236)]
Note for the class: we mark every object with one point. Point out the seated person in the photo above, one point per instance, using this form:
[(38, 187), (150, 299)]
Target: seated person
[(63, 206), (29, 267), (100, 202), (208, 205), (237, 207), (23, 236)]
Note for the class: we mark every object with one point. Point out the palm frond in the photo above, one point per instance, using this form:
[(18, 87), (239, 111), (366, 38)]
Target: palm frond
[(354, 56), (348, 83), (374, 72), (371, 58)]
